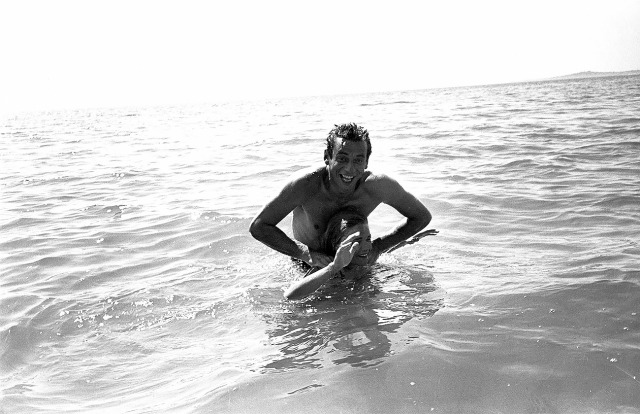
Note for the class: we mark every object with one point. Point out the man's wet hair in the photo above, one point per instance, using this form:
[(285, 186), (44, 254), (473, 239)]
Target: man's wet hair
[(350, 132)]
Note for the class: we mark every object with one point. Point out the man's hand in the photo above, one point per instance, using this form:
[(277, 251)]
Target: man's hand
[(414, 239), (319, 259), (313, 258)]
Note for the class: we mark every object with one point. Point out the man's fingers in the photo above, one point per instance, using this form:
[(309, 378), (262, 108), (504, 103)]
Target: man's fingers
[(429, 232), (417, 237), (319, 259), (414, 239)]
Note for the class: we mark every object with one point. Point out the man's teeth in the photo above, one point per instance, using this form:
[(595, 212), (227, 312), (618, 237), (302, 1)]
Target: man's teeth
[(347, 178)]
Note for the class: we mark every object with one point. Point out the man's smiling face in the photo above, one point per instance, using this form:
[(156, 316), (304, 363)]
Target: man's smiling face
[(347, 163)]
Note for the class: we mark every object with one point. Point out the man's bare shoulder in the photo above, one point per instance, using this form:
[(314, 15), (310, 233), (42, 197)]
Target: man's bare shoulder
[(301, 187), (307, 177), (304, 183), (378, 181), (308, 173), (381, 186)]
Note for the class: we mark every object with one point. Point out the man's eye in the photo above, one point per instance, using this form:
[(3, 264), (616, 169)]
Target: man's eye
[(358, 161)]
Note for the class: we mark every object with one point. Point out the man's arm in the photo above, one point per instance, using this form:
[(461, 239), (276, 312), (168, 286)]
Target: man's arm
[(417, 215), (264, 226)]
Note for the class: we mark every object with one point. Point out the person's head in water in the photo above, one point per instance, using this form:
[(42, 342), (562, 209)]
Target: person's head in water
[(343, 224), (347, 157)]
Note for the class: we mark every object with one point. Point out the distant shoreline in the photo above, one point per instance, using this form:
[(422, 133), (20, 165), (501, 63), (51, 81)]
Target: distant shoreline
[(573, 76), (590, 74)]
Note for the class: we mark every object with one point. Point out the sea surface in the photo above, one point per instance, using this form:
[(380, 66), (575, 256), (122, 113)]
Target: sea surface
[(129, 282)]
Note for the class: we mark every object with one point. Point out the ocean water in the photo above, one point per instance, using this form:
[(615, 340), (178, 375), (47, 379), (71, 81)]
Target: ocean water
[(129, 282)]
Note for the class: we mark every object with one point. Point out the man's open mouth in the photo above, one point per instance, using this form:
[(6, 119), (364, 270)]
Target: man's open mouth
[(346, 178)]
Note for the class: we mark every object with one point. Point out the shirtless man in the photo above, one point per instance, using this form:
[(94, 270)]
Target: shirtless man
[(315, 195)]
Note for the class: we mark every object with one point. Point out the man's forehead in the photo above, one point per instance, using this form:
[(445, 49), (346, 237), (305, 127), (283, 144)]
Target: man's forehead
[(345, 145)]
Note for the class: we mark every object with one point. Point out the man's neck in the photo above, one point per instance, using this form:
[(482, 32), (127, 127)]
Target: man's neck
[(334, 190)]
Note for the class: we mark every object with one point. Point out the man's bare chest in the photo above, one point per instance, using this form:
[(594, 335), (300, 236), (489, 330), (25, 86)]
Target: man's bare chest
[(320, 207)]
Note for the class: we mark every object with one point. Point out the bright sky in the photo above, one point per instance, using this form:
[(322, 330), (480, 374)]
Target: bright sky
[(70, 54)]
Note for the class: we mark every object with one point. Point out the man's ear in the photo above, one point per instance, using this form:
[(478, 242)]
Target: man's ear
[(326, 157)]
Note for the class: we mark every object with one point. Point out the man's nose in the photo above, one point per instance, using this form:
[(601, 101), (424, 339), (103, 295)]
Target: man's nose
[(350, 166)]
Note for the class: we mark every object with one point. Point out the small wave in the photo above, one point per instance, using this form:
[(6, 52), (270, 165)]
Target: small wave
[(631, 120), (388, 103), (52, 261), (524, 163), (616, 202), (19, 343), (618, 131), (22, 223), (601, 146), (485, 127)]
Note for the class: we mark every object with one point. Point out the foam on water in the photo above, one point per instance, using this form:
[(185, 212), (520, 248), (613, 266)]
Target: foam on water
[(129, 282)]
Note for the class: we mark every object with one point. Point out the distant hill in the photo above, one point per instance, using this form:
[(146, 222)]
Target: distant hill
[(589, 74)]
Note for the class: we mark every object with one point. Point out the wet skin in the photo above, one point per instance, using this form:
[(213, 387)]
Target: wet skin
[(315, 195), (340, 181), (346, 166)]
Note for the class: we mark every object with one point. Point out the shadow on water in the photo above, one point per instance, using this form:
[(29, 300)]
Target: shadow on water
[(347, 322)]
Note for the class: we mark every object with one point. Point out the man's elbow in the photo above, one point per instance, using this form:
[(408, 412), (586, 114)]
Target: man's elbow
[(427, 218), (255, 228), (424, 219)]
